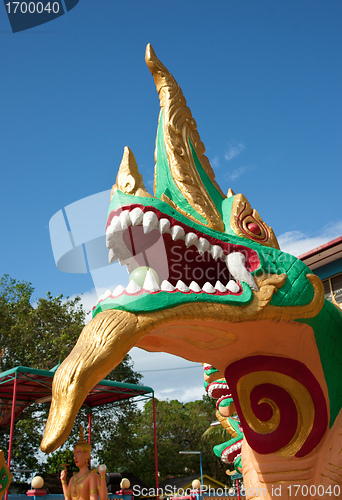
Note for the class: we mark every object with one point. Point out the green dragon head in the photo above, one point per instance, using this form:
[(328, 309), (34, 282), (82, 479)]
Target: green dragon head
[(189, 242)]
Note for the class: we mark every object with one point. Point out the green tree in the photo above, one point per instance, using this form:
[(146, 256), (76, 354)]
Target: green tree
[(179, 428), (39, 333)]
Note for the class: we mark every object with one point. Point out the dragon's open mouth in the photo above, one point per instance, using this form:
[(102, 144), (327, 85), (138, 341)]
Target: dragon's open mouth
[(175, 256)]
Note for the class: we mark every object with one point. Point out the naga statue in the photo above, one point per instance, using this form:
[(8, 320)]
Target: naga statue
[(208, 282), (217, 388)]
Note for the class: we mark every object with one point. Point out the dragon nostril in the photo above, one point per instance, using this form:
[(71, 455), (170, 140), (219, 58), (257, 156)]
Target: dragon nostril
[(254, 228)]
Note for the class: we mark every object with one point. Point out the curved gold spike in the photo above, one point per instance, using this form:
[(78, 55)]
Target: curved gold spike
[(129, 180), (230, 193), (179, 126)]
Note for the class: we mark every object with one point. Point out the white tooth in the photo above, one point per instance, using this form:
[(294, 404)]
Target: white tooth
[(220, 287), (132, 287), (233, 287), (208, 288), (164, 226), (190, 239), (118, 291), (194, 287), (236, 266), (114, 226), (136, 216), (182, 286), (112, 257), (216, 252), (150, 282), (125, 219), (166, 286), (150, 221), (177, 232), (203, 245), (105, 295)]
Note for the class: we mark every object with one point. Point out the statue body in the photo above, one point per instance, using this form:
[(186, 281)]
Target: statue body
[(84, 484)]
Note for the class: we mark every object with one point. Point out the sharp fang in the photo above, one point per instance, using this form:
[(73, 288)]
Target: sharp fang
[(203, 245), (233, 287), (133, 287), (216, 252), (125, 219), (194, 287), (164, 226), (190, 239), (150, 283), (136, 216), (122, 261), (220, 287), (150, 221), (112, 257), (114, 227), (166, 286), (236, 266), (182, 286), (177, 232), (208, 288), (118, 290)]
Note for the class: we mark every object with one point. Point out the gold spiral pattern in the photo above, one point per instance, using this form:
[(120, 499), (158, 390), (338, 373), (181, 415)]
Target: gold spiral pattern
[(301, 397)]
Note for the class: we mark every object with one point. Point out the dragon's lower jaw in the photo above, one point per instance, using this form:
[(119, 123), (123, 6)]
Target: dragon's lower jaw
[(101, 346), (203, 332)]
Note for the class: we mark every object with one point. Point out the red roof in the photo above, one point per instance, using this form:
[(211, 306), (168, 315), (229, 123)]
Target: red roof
[(324, 254)]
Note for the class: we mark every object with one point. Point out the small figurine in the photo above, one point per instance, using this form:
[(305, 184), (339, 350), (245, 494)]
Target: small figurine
[(85, 484)]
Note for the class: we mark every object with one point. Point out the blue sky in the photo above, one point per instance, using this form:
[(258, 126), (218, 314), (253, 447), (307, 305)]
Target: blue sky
[(263, 80)]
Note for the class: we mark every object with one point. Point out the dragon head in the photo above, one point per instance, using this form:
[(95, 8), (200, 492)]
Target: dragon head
[(189, 242), (202, 266)]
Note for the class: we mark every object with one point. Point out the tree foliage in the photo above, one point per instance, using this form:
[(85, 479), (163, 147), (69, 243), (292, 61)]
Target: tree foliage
[(38, 334), (179, 428)]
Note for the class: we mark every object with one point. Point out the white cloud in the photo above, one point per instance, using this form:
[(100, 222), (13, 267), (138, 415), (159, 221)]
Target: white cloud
[(89, 300), (169, 376), (233, 150), (215, 162), (297, 242), (237, 172)]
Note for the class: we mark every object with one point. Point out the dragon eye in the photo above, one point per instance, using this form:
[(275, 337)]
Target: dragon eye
[(254, 228)]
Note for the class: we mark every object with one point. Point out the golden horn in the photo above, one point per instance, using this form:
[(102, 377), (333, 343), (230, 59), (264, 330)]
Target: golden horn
[(179, 126), (129, 180)]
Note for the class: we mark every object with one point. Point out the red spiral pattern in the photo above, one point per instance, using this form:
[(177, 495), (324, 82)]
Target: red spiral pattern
[(281, 436)]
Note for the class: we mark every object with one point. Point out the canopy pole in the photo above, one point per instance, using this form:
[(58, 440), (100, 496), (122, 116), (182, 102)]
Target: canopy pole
[(89, 432), (155, 446), (11, 428), (238, 489)]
